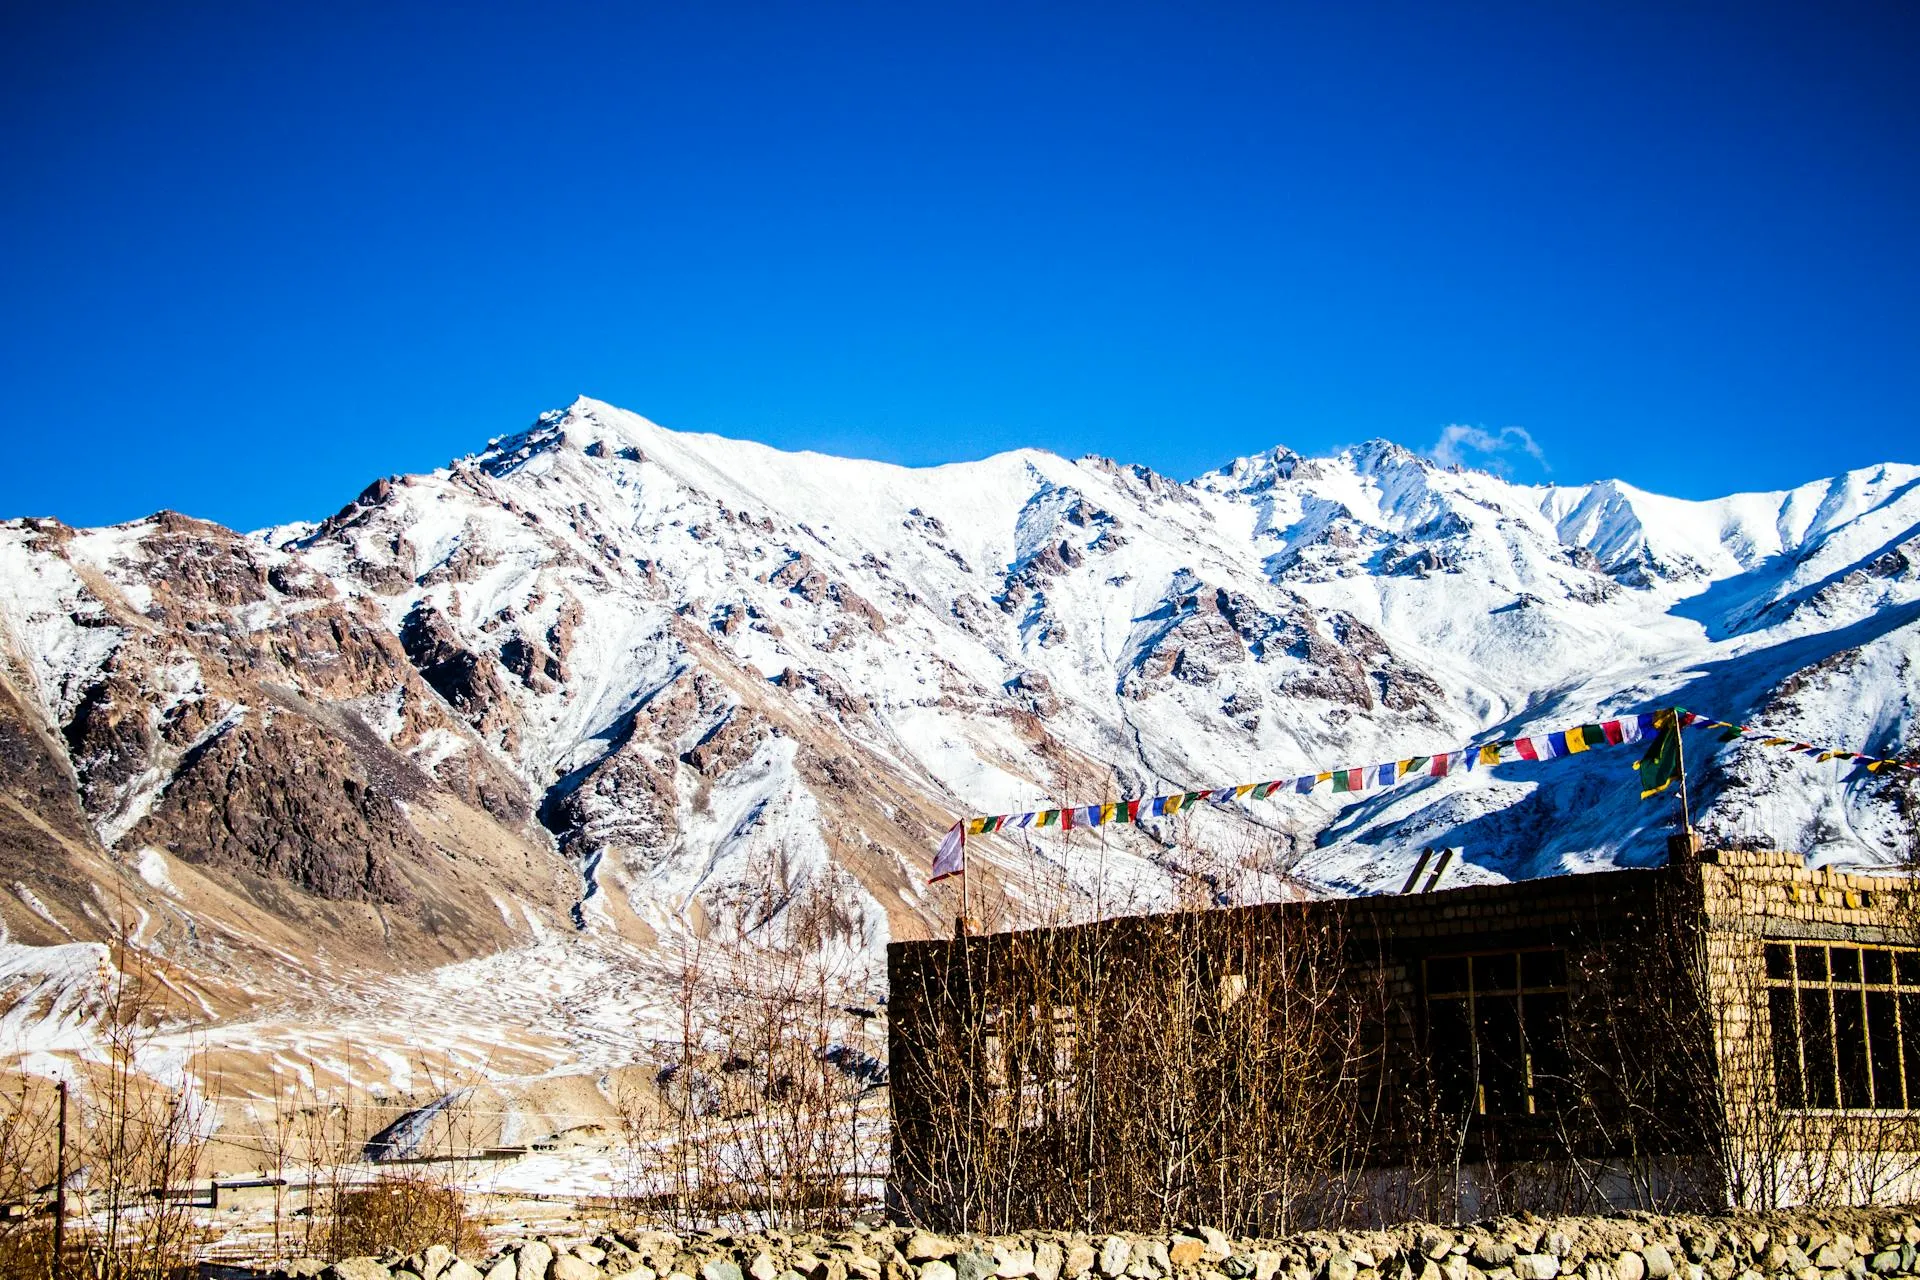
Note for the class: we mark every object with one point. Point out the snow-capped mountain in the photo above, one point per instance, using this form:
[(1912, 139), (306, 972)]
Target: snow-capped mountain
[(604, 679)]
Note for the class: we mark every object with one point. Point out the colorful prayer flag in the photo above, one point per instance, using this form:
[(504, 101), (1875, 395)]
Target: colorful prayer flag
[(1661, 765)]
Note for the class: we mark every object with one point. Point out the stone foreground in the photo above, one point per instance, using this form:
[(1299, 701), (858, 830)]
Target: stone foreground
[(1854, 1244)]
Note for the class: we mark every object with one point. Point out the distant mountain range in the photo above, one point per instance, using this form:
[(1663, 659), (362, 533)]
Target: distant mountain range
[(606, 681)]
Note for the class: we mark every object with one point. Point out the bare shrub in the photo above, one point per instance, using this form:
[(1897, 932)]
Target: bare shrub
[(29, 1123), (404, 1210), (138, 1142), (1213, 1067), (758, 1115)]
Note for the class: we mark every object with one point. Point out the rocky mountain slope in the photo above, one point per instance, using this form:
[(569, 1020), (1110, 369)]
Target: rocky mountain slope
[(604, 683)]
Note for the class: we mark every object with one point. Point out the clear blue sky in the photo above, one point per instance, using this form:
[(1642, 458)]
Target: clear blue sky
[(256, 255)]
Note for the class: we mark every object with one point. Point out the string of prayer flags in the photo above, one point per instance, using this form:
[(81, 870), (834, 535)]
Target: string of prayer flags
[(1658, 769)]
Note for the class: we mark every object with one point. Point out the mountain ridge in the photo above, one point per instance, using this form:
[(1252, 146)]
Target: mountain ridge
[(606, 681)]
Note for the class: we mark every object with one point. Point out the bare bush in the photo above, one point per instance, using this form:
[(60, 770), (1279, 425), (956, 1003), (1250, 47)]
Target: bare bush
[(402, 1210), (1212, 1067), (758, 1116)]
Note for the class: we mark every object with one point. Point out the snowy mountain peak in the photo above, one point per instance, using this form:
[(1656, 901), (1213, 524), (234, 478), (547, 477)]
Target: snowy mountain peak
[(706, 675)]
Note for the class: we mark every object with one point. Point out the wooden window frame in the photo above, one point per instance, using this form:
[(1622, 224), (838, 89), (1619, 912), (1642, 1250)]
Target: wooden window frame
[(1858, 988), (1470, 994)]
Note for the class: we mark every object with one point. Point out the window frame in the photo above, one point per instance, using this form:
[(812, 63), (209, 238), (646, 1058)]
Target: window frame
[(1519, 990), (1796, 974)]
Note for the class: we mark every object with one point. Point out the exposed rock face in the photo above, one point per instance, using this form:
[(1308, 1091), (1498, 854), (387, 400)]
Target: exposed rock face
[(207, 697), (286, 798)]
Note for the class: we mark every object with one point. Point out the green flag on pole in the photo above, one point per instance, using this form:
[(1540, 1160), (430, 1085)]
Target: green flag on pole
[(1661, 765)]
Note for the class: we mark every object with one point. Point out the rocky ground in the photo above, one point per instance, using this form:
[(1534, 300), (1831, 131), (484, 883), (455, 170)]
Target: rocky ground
[(1847, 1244)]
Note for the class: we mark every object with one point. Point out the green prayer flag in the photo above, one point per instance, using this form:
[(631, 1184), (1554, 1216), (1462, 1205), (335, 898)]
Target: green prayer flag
[(1661, 765)]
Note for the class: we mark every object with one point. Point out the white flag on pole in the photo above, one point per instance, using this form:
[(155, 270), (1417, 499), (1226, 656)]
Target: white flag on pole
[(952, 858)]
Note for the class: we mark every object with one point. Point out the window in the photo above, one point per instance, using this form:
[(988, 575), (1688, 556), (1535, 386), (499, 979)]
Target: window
[(1846, 1026), (1496, 1025)]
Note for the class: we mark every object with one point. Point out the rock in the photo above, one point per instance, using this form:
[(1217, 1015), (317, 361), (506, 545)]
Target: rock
[(1455, 1267), (1536, 1266), (1340, 1266), (592, 1255), (1559, 1244), (935, 1269), (571, 1266), (1048, 1258), (1185, 1251), (1239, 1266), (1596, 1269), (921, 1247), (1435, 1244), (1629, 1266), (719, 1269), (407, 1274), (1219, 1248), (304, 1268), (1011, 1263), (1834, 1254), (1114, 1253), (357, 1269), (460, 1269), (1659, 1262), (1266, 1264), (1488, 1254), (534, 1259), (504, 1268), (971, 1264), (1080, 1259), (763, 1267)]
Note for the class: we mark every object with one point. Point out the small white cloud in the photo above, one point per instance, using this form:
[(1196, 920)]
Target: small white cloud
[(1465, 446)]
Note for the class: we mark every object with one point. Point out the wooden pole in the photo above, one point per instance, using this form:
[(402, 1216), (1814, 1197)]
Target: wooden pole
[(1439, 869), (1425, 855), (60, 1192), (1680, 746), (966, 897)]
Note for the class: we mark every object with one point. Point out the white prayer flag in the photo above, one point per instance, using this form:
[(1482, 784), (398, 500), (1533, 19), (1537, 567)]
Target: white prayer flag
[(952, 858)]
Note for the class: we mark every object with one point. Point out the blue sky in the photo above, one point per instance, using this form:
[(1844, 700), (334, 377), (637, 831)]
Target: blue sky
[(258, 254)]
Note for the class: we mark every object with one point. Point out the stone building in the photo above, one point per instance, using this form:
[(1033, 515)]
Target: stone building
[(1731, 1028)]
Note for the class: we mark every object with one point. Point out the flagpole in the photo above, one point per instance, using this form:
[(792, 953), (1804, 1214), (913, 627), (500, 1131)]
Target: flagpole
[(966, 908), (1680, 746)]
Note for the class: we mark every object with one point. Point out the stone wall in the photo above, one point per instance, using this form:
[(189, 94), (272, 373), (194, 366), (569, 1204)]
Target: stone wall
[(1850, 1244)]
